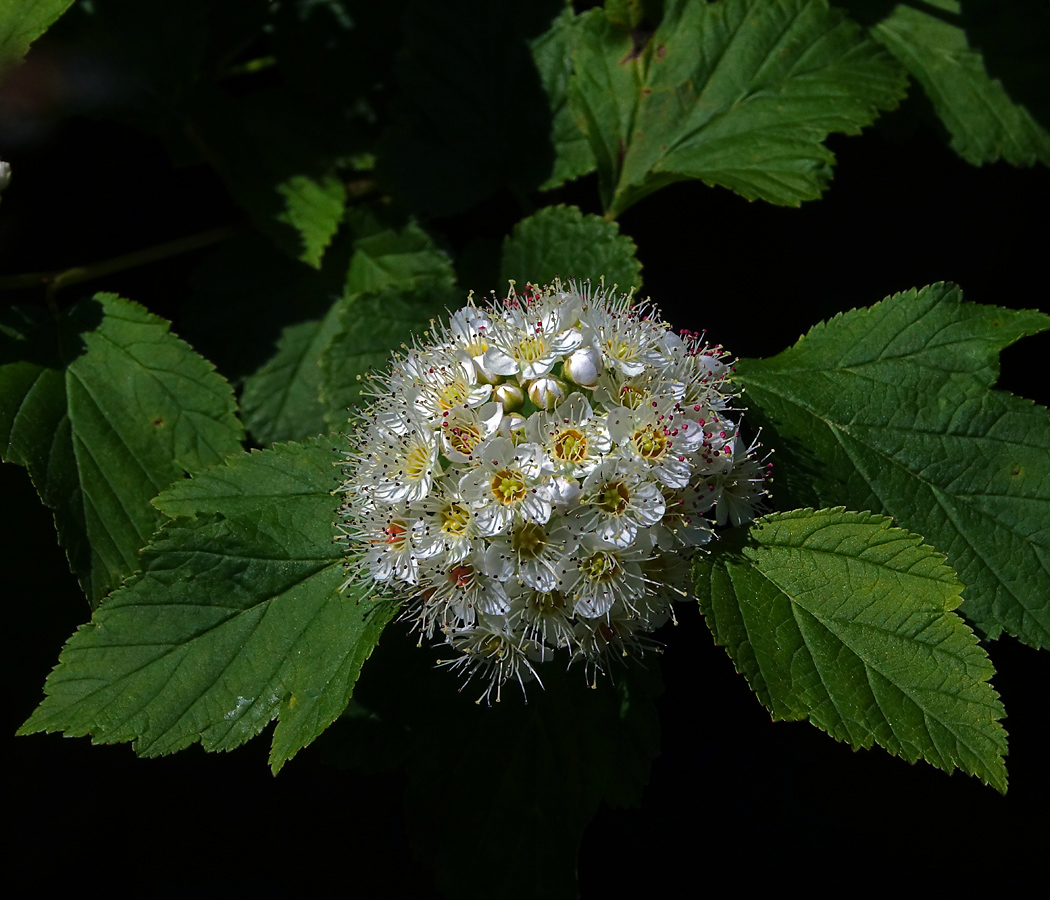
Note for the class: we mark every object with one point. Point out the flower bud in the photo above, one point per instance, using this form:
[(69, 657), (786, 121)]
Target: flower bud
[(584, 367), (548, 391), (510, 395)]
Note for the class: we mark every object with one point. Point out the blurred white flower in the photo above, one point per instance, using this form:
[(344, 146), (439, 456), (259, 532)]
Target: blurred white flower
[(533, 478)]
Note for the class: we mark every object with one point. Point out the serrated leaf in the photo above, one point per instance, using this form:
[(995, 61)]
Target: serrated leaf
[(281, 399), (235, 620), (985, 123), (552, 53), (560, 241), (474, 118), (890, 409), (21, 23), (372, 328), (105, 411), (737, 93), (314, 208), (842, 619), (387, 257), (278, 163)]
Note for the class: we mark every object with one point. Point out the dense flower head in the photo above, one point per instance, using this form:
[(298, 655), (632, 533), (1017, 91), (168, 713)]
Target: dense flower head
[(531, 479)]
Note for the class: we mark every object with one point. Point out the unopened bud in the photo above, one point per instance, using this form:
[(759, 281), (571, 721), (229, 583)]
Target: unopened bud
[(510, 395), (584, 367), (548, 391)]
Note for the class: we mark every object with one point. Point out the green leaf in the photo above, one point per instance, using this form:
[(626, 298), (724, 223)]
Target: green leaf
[(386, 257), (552, 53), (236, 619), (737, 93), (560, 241), (839, 618), (21, 23), (106, 413), (985, 123), (281, 399), (314, 208), (371, 329), (279, 164), (890, 409)]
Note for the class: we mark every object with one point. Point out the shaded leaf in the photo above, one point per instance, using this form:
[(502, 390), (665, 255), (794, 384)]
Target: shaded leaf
[(985, 123), (560, 241), (737, 93), (371, 329), (552, 53), (106, 411), (281, 400), (890, 409), (840, 618), (235, 620), (279, 163)]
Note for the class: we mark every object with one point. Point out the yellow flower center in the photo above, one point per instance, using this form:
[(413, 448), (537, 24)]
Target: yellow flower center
[(453, 394), (454, 519), (632, 396), (417, 462), (650, 442), (508, 486), (529, 540), (570, 445), (532, 348), (603, 566), (614, 497), (464, 438)]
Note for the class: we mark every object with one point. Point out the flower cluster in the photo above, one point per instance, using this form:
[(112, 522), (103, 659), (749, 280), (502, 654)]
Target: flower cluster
[(535, 475)]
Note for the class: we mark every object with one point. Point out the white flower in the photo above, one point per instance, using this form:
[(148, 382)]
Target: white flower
[(512, 482), (562, 523)]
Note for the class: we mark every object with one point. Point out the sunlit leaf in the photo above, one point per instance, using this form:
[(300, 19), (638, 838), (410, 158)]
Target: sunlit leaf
[(106, 410), (235, 620), (737, 93), (560, 241), (839, 618), (891, 409)]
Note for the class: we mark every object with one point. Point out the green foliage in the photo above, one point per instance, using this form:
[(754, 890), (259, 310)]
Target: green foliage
[(106, 408), (374, 162), (369, 330), (840, 618), (235, 620), (271, 153), (737, 93), (937, 46), (891, 409), (552, 53), (561, 242), (21, 23), (282, 398)]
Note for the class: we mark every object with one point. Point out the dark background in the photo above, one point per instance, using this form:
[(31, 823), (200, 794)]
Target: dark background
[(735, 802)]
